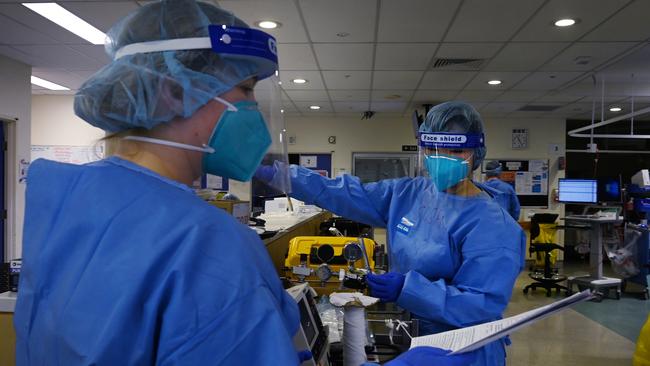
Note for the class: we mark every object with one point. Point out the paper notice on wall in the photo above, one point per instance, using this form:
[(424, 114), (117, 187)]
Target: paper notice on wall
[(513, 165), (213, 181), (308, 161), (531, 183), (537, 165), (68, 154)]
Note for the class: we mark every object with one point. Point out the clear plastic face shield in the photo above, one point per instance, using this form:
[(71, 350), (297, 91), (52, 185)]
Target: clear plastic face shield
[(446, 158), (251, 131)]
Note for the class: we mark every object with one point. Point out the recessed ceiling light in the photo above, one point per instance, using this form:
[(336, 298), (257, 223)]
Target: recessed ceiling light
[(494, 82), (47, 84), (59, 15), (268, 24), (299, 81), (615, 109), (567, 22), (281, 110), (314, 107)]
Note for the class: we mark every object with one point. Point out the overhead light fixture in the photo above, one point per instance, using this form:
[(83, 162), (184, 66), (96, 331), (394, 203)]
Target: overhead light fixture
[(615, 109), (47, 84), (268, 24), (567, 22), (494, 82), (314, 107), (62, 17), (299, 81)]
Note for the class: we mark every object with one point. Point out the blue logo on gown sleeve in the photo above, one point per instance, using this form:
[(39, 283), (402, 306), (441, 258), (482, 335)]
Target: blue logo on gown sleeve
[(404, 226)]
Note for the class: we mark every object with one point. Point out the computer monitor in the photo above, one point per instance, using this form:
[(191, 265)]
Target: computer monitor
[(609, 190), (578, 190)]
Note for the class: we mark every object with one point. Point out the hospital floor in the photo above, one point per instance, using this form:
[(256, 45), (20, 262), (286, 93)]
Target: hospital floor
[(589, 333)]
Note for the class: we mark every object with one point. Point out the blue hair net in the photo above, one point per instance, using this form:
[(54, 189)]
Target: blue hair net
[(493, 168), (459, 117), (143, 90)]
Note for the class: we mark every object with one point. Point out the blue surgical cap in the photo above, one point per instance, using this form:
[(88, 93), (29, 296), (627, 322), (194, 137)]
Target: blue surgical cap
[(143, 90), (459, 117), (493, 168)]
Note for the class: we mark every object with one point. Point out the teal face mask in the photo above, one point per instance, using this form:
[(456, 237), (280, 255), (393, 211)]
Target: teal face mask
[(240, 140), (445, 170)]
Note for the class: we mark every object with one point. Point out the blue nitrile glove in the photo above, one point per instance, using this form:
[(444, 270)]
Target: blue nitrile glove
[(265, 173), (305, 355), (387, 286), (421, 356)]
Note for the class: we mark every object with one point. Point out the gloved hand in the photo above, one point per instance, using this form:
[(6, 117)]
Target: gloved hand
[(265, 173), (304, 355), (421, 356), (387, 286)]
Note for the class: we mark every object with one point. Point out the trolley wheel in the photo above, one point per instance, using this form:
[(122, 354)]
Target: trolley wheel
[(525, 291), (548, 293)]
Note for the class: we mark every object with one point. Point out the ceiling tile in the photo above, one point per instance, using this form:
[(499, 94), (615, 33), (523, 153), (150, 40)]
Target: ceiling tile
[(596, 53), (101, 14), (314, 80), (478, 95), (303, 107), (341, 56), (500, 107), (519, 96), (326, 19), (308, 95), (351, 107), (96, 52), (29, 25), (546, 80), (541, 27), (388, 107), (524, 56), (558, 97), (446, 80), (347, 79), (405, 56), (58, 56), (468, 50), (508, 79), (415, 20), (490, 21), (349, 95), (396, 79), (60, 77), (434, 95), (283, 11), (296, 56), (630, 24), (391, 95), (17, 55)]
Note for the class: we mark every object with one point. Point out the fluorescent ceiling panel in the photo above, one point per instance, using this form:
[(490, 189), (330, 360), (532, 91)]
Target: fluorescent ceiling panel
[(59, 15)]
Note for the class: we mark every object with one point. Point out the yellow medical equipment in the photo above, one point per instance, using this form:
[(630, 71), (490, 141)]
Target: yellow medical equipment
[(330, 263)]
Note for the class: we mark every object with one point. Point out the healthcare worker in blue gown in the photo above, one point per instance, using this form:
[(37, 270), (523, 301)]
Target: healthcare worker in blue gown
[(454, 253), (122, 263), (508, 200)]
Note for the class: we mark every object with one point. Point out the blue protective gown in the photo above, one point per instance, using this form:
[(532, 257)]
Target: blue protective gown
[(460, 263), (508, 200), (122, 266)]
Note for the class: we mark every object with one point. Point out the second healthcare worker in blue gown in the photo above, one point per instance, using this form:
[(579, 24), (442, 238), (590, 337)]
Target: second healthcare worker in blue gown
[(122, 263), (454, 253), (508, 199)]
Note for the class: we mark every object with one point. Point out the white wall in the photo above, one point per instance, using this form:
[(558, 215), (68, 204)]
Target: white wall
[(352, 135), (15, 101), (54, 123)]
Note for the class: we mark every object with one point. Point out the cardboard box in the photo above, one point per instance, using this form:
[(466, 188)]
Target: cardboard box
[(241, 210)]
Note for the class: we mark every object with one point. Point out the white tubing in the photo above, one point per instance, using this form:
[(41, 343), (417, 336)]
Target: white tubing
[(354, 336)]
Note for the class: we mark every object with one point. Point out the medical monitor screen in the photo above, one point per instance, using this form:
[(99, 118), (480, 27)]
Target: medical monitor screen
[(307, 322), (578, 190), (609, 190)]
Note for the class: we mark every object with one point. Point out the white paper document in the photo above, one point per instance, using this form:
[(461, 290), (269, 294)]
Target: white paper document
[(471, 338)]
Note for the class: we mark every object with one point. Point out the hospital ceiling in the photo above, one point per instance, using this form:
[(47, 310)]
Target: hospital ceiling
[(391, 56)]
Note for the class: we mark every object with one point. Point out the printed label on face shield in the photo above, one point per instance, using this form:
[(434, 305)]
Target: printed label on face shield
[(450, 140), (404, 226)]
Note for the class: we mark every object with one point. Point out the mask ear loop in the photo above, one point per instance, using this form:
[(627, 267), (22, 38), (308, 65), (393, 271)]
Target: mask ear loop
[(229, 106), (205, 148)]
